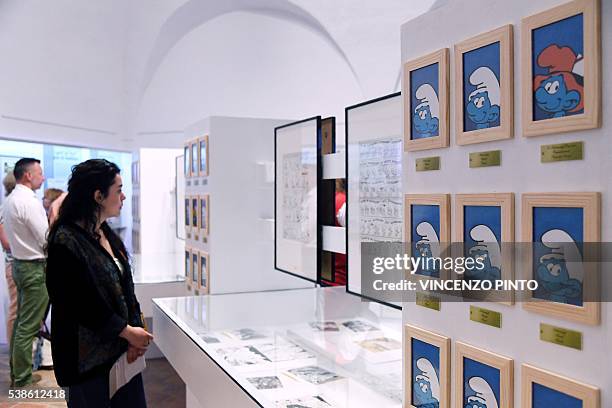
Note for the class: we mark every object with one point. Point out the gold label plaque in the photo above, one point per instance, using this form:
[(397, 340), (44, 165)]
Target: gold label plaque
[(428, 163), (486, 316), (428, 301), (485, 159), (562, 152), (561, 336)]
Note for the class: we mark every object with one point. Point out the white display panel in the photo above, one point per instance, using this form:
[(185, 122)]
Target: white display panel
[(296, 198), (374, 185)]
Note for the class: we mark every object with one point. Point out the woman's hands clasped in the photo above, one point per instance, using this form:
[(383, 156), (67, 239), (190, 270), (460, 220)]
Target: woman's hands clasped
[(138, 339)]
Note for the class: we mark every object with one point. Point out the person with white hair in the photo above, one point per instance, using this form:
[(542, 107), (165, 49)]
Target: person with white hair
[(428, 249), (426, 385), (560, 272), (487, 251), (426, 117), (483, 396), (482, 105)]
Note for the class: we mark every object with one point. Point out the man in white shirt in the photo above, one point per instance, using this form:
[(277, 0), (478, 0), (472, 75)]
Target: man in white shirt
[(25, 223)]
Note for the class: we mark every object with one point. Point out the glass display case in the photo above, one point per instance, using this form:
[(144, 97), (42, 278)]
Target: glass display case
[(317, 347)]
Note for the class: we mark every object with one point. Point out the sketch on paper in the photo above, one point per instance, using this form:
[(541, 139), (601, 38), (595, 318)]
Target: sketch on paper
[(324, 326), (266, 383), (380, 344), (380, 191), (298, 189), (359, 326), (315, 375), (307, 402)]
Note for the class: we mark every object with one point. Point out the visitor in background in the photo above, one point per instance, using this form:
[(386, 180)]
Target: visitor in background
[(95, 316), (49, 196), (9, 185), (26, 225), (55, 205)]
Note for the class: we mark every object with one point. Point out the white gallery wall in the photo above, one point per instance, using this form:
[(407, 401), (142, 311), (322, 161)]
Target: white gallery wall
[(520, 171)]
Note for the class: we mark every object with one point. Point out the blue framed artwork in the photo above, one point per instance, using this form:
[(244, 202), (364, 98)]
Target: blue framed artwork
[(187, 212), (187, 263), (484, 230), (561, 59), (194, 213), (194, 269), (484, 87), (204, 214), (425, 93), (544, 389), (427, 369), (186, 161), (203, 155), (427, 229), (204, 273), (194, 159), (484, 379), (560, 227)]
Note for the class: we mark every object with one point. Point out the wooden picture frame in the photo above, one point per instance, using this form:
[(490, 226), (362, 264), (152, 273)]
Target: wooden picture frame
[(426, 342), (204, 210), (203, 156), (490, 220), (195, 269), (566, 67), (187, 159), (187, 215), (568, 207), (195, 163), (424, 225), (492, 368), (204, 265), (187, 267), (195, 214), (484, 87), (426, 95), (536, 381)]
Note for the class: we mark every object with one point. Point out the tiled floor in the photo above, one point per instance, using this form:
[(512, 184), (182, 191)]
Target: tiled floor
[(163, 387)]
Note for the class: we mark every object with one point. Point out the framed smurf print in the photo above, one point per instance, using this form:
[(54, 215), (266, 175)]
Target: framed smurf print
[(484, 84), (561, 69), (427, 230), (563, 230), (484, 231), (483, 379), (544, 389), (427, 378), (425, 93)]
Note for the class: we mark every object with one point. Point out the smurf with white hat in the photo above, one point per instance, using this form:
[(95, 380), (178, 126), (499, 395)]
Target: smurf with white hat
[(426, 385), (487, 251), (483, 103), (560, 273), (483, 396), (427, 247), (426, 118)]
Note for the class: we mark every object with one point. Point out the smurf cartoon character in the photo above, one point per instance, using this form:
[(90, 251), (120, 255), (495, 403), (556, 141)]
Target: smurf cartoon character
[(426, 385), (561, 91), (483, 103), (427, 247), (482, 396), (426, 116), (560, 272), (487, 250)]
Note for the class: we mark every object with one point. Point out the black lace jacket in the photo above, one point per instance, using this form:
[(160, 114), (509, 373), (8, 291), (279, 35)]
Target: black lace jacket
[(92, 301)]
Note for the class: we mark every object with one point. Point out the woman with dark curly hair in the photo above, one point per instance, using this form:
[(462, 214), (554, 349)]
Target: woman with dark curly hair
[(95, 316)]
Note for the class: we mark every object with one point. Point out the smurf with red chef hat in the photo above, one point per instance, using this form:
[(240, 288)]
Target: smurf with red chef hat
[(560, 92)]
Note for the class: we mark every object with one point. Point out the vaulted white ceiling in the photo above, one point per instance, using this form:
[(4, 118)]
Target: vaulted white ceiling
[(137, 72)]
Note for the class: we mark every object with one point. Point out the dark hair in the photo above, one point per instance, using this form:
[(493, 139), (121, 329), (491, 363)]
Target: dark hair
[(22, 166), (80, 205)]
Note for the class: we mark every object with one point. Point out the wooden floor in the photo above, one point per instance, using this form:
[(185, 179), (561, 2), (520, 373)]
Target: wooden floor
[(163, 387)]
